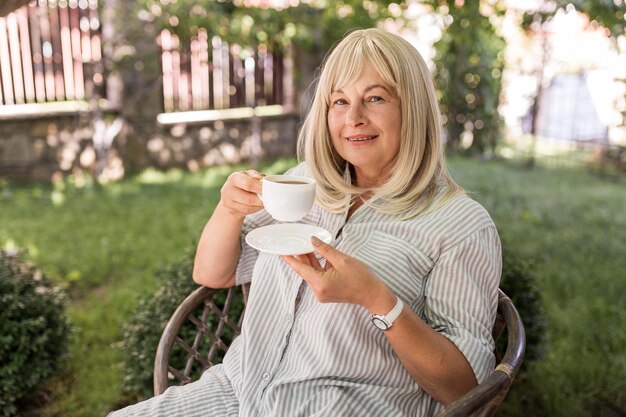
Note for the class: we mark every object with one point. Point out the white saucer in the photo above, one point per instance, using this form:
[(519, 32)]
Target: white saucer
[(286, 238)]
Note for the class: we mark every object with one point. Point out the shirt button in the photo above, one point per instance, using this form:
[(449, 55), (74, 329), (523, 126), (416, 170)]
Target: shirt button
[(265, 376)]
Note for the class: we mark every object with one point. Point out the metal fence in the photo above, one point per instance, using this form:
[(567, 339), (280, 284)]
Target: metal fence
[(48, 52)]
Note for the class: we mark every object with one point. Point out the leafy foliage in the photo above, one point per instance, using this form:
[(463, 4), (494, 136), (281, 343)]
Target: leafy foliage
[(313, 24), (470, 60), (569, 223), (608, 14), (34, 332), (143, 330), (469, 75), (519, 283)]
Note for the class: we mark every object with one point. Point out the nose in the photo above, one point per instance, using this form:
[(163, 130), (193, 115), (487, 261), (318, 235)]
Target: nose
[(356, 114)]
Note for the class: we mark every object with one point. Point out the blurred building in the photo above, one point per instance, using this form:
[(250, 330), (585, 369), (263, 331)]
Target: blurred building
[(565, 81)]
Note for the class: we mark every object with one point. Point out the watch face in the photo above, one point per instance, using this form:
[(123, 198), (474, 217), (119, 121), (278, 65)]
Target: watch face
[(380, 323)]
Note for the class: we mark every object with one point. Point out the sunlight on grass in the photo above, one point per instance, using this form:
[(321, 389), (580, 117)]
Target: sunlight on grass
[(103, 245), (105, 242), (572, 224), (9, 244), (152, 176)]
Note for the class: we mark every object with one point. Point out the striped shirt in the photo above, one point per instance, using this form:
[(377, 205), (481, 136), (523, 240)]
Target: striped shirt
[(299, 357)]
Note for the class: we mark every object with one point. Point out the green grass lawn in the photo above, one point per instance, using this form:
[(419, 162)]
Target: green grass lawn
[(104, 244), (573, 226)]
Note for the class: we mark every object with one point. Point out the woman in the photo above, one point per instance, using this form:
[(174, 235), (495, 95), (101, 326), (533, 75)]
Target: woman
[(394, 317)]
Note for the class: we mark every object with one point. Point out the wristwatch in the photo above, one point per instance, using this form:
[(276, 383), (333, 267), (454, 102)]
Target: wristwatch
[(384, 322)]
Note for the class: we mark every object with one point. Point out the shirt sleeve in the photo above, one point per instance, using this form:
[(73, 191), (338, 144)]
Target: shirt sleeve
[(249, 255), (462, 297)]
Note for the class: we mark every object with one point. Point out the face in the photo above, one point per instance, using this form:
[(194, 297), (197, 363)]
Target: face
[(364, 120)]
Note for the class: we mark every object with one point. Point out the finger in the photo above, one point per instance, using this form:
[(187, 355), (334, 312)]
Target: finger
[(236, 195), (241, 209), (246, 198), (331, 254), (254, 174), (314, 262), (246, 182), (328, 265), (304, 270), (304, 259)]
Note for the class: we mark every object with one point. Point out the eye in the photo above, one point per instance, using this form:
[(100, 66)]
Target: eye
[(375, 99), (339, 102)]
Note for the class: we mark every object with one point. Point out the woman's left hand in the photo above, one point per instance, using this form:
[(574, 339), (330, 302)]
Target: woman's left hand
[(343, 279), (433, 361)]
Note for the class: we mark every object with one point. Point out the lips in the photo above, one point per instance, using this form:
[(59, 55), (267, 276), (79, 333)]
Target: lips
[(361, 138)]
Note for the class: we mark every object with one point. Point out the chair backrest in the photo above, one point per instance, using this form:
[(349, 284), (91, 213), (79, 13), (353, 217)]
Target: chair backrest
[(198, 335), (199, 332)]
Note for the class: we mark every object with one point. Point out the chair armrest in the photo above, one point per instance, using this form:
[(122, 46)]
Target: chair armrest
[(483, 399), (478, 397), (161, 359)]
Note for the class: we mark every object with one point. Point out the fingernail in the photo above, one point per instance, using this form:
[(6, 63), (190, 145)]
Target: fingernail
[(316, 241)]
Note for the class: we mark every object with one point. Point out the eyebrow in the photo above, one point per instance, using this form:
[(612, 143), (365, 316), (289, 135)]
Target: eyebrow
[(368, 88)]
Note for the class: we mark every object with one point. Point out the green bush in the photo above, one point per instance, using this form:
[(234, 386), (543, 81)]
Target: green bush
[(34, 331), (519, 283), (143, 330), (141, 333)]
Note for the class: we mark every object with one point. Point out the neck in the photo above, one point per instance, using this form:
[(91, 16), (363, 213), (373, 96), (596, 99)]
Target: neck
[(364, 179)]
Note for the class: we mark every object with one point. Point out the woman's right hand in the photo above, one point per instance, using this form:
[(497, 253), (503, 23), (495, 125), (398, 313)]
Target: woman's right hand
[(239, 193), (219, 246)]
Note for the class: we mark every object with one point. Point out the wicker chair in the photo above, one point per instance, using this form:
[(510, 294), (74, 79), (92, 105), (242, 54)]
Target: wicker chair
[(201, 329)]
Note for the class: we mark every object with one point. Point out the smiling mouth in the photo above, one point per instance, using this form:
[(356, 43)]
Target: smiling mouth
[(361, 138)]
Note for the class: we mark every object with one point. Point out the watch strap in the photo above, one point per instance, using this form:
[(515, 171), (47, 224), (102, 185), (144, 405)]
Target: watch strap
[(384, 322), (395, 311)]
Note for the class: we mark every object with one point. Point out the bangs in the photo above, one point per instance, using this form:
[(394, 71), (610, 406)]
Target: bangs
[(347, 61)]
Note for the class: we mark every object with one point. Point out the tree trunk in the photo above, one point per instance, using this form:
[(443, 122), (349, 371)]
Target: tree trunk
[(8, 6), (131, 57)]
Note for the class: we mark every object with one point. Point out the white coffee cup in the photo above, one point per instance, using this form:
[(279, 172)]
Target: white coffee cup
[(287, 198)]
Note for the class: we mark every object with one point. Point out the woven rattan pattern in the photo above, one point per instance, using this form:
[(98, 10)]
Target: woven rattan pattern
[(210, 329), (482, 401)]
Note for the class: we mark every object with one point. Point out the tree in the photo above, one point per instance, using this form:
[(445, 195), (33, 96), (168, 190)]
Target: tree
[(7, 6), (469, 64), (312, 25), (609, 14), (470, 61)]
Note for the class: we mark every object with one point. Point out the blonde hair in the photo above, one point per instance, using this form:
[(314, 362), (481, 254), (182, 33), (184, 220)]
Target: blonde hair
[(419, 168)]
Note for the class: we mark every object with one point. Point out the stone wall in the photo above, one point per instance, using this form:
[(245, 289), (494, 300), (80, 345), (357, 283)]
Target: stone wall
[(45, 146), (198, 145), (35, 148)]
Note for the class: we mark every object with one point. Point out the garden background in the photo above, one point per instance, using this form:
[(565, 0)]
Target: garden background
[(116, 135)]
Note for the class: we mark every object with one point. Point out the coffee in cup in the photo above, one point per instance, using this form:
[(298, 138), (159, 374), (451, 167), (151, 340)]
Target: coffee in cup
[(287, 198)]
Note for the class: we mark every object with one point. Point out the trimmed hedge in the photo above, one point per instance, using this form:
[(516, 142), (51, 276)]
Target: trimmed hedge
[(519, 283), (141, 333), (143, 330), (34, 330)]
